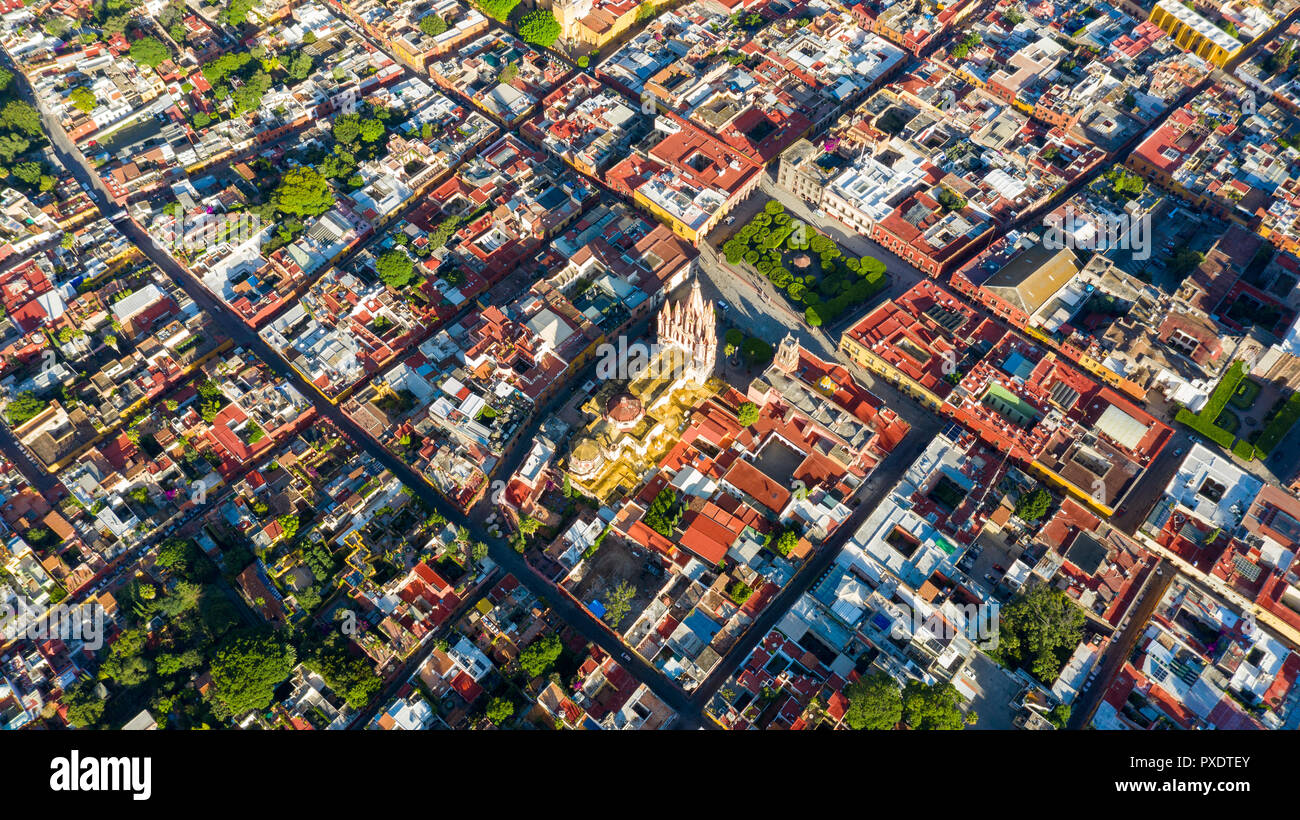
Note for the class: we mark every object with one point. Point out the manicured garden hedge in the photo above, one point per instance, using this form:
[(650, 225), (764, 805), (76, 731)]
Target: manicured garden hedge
[(1204, 421), (1216, 434), (839, 282), (1279, 424), (1223, 392)]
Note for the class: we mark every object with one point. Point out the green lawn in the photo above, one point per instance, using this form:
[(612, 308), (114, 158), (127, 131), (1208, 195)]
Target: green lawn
[(1243, 398)]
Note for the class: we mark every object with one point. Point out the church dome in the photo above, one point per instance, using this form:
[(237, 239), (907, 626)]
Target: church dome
[(585, 459), (624, 410)]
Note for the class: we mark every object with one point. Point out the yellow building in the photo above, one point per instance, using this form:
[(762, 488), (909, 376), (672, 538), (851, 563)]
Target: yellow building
[(1195, 34), (593, 23)]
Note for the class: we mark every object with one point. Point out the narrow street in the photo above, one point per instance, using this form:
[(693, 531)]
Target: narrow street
[(1121, 646)]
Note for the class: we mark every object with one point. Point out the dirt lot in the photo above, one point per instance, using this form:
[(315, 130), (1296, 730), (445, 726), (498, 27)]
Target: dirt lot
[(616, 561)]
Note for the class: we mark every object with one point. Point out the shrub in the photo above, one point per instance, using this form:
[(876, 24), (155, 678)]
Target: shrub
[(1244, 450), (1216, 434), (1279, 424), (1224, 391), (748, 414)]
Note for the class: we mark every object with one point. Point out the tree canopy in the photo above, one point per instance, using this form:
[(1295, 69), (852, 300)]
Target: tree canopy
[(875, 702), (500, 710), (1033, 505), (396, 268), (432, 25), (83, 99), (303, 191), (540, 655), (618, 602), (149, 51), (1039, 630), (24, 406), (539, 27), (932, 707), (497, 9), (247, 669), (348, 675), (663, 513), (748, 414)]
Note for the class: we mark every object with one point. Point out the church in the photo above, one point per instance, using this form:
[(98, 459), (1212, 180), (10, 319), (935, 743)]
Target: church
[(638, 421)]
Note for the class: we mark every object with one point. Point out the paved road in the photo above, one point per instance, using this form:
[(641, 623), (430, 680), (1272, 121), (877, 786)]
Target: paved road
[(1121, 646)]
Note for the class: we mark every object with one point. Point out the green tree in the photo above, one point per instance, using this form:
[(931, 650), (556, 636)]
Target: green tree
[(786, 542), (618, 602), (372, 130), (540, 655), (304, 192), (290, 525), (300, 66), (739, 592), (24, 407), (126, 664), (21, 117), (83, 99), (812, 316), (875, 702), (1280, 60), (1033, 505), (932, 706), (396, 268), (432, 25), (539, 27), (248, 667), (663, 514), (350, 676), (149, 51), (498, 10), (84, 706), (236, 12), (1060, 715), (500, 710), (1039, 630), (748, 414)]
